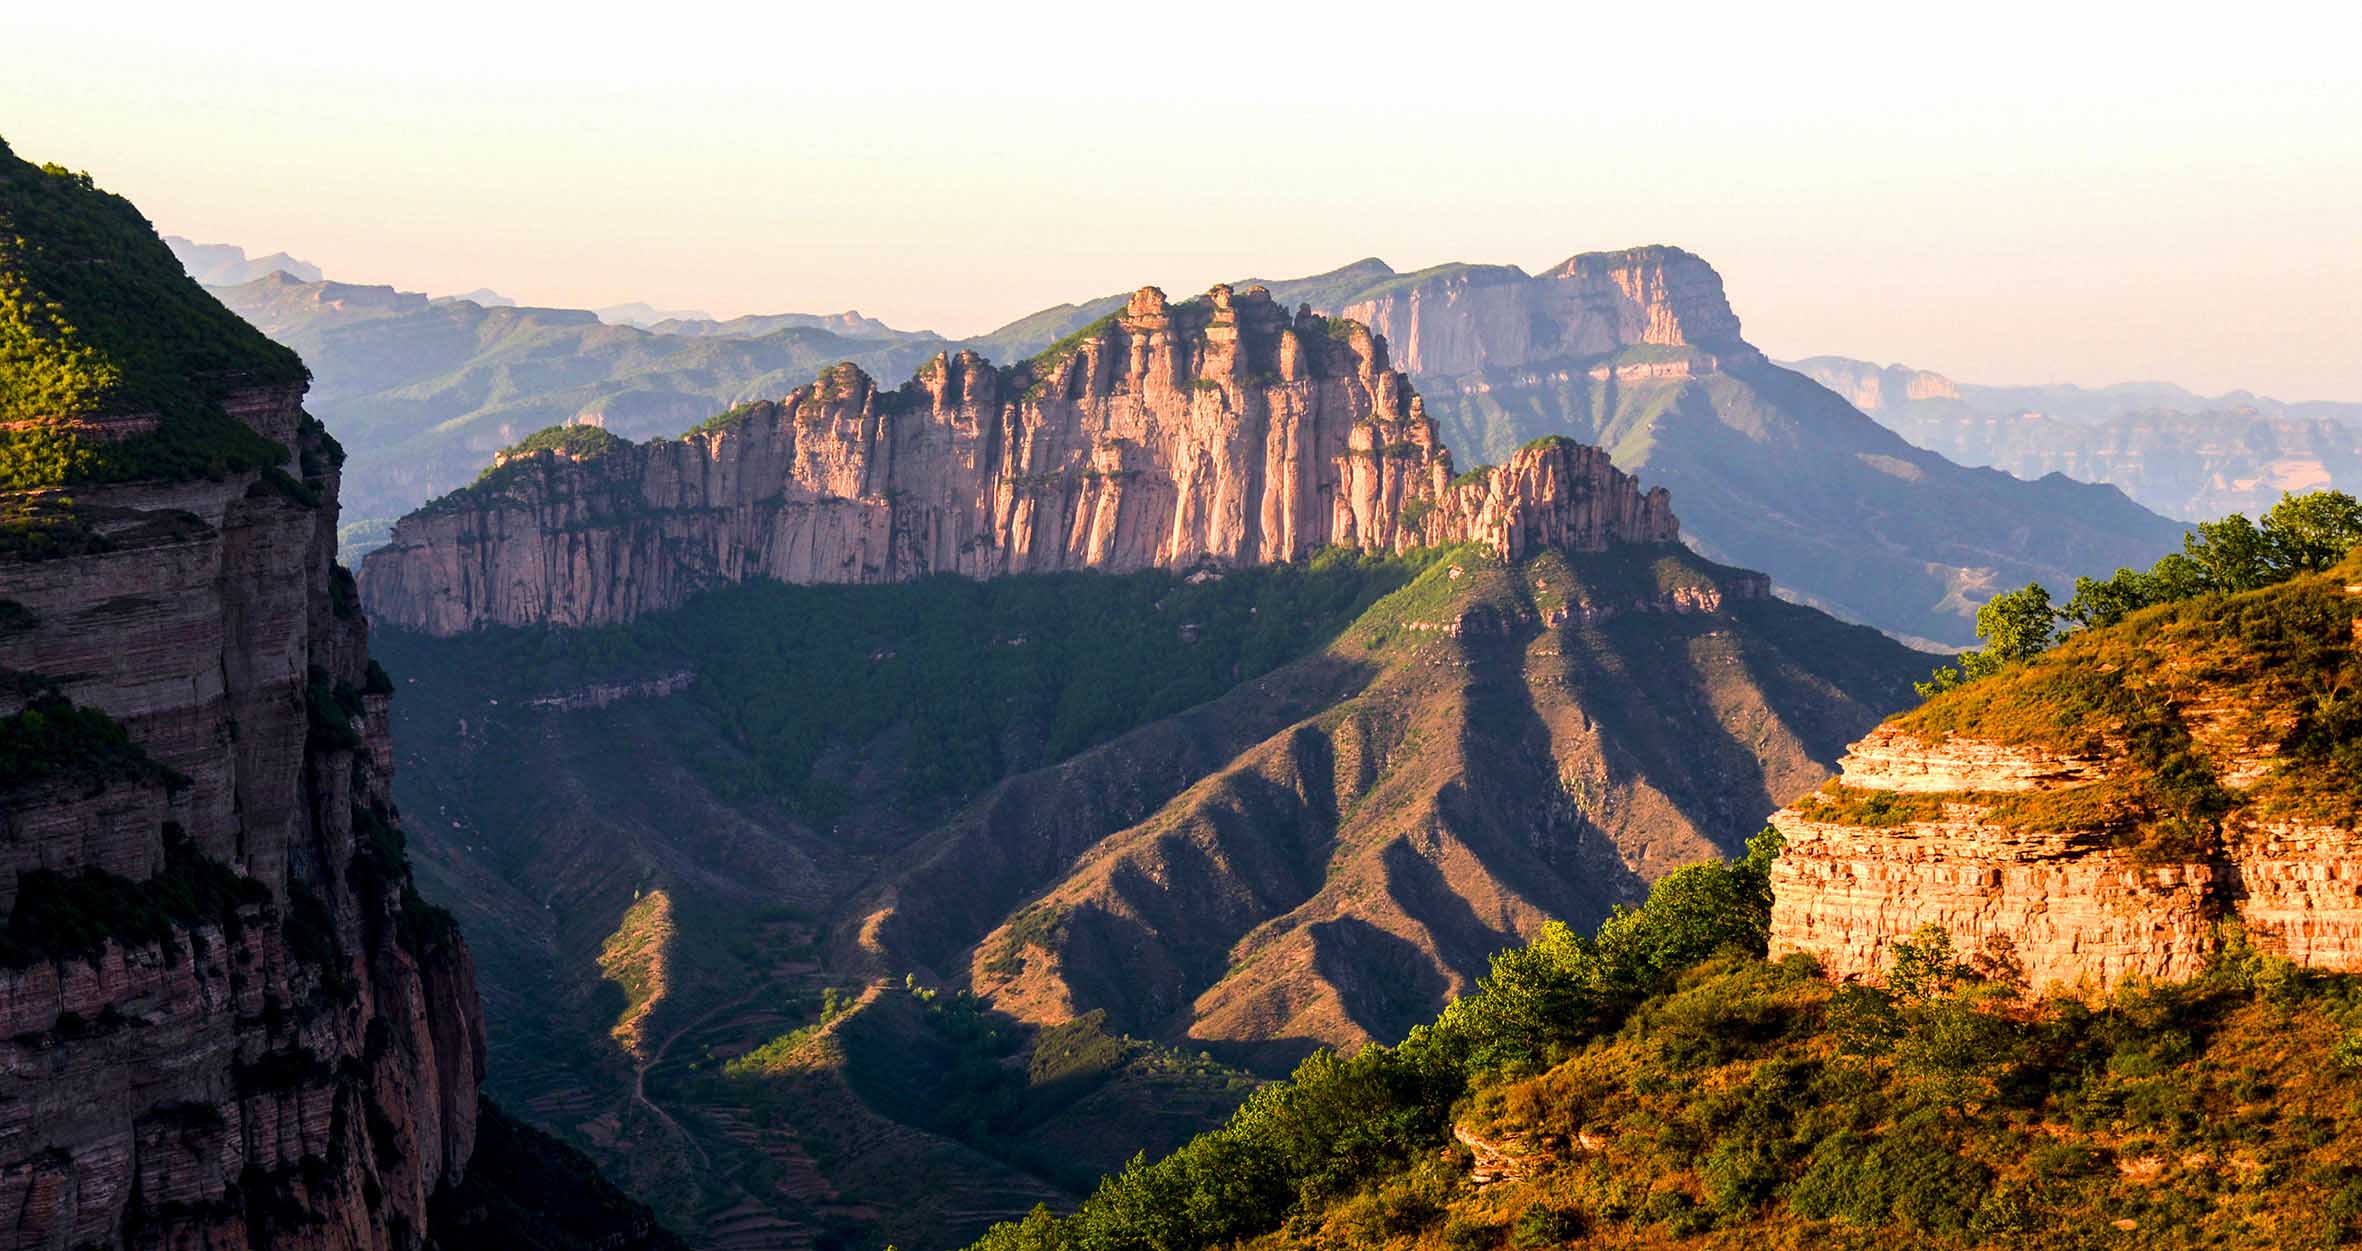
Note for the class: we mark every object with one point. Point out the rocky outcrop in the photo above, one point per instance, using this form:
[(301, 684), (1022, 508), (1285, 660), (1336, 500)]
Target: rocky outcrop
[(1639, 351), (1218, 431), (252, 1032), (1465, 318), (2070, 904)]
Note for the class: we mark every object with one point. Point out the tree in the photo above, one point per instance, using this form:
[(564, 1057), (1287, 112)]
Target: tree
[(2309, 533), (2018, 625), (2104, 602), (2232, 554), (2301, 534), (2014, 626)]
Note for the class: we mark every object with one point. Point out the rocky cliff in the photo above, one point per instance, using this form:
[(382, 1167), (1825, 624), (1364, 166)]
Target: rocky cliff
[(1220, 431), (1639, 352), (2105, 812), (228, 1020), (1463, 318)]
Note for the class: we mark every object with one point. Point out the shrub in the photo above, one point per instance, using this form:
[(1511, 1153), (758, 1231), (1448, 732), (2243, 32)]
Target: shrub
[(1542, 1225)]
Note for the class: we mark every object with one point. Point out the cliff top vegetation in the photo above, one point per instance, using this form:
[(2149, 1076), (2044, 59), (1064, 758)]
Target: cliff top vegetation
[(97, 319), (1662, 1084)]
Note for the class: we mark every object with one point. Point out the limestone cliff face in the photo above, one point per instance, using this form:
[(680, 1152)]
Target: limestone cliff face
[(2073, 907), (1221, 431), (260, 1036), (1465, 319)]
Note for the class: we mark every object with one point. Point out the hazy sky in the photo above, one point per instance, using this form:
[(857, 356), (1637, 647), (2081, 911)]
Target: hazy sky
[(2005, 194)]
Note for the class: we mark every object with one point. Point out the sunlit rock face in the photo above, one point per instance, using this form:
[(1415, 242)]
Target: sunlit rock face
[(292, 1059), (1219, 431)]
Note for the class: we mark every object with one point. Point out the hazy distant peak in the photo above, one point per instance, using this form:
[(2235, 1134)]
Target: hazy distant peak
[(1885, 390), (849, 324), (227, 265), (645, 315), (485, 296)]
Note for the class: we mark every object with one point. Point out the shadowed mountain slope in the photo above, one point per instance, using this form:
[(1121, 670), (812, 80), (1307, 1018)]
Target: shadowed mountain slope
[(917, 903)]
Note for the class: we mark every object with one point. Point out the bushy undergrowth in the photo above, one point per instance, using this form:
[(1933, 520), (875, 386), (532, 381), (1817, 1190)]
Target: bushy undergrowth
[(1014, 672), (63, 915), (52, 738), (1662, 1084), (1299, 1145), (96, 317)]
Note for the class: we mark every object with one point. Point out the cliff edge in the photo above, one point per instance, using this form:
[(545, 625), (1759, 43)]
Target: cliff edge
[(2112, 809), (1217, 431), (227, 1019)]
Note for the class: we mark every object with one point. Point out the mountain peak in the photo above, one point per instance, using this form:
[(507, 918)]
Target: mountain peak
[(1220, 431), (1679, 296)]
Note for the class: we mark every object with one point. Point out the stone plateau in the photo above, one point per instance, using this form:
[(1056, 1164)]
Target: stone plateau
[(1218, 431)]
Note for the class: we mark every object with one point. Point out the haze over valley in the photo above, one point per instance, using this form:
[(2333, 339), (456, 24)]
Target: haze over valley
[(817, 631)]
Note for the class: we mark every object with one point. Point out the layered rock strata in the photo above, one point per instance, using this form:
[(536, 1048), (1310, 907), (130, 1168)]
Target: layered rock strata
[(2071, 906), (1217, 431), (1467, 318), (225, 1018)]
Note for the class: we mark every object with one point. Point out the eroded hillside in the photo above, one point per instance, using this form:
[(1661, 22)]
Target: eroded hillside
[(1304, 803)]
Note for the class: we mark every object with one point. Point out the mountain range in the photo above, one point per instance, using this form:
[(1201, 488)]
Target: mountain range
[(227, 265), (1637, 352), (1027, 761), (2180, 453), (1266, 768)]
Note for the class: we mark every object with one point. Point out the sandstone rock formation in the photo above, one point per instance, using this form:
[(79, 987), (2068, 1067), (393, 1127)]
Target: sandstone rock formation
[(259, 1035), (2060, 856), (1218, 431), (1465, 318), (1639, 352)]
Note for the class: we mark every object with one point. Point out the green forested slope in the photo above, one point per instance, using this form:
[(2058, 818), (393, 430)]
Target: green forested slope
[(97, 320)]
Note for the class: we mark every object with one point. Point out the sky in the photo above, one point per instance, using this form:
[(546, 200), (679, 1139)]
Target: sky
[(2008, 194)]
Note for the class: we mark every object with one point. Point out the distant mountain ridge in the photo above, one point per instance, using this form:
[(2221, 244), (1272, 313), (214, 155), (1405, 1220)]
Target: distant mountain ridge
[(1217, 432), (423, 391), (1639, 351), (2175, 451), (226, 265), (1876, 389), (755, 326)]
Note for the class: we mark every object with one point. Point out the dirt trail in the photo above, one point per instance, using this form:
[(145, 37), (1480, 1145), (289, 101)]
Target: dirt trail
[(656, 1057)]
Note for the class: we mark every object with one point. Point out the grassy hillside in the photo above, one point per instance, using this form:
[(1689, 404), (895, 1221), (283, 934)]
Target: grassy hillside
[(2183, 693), (881, 820), (1662, 1085), (97, 320)]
